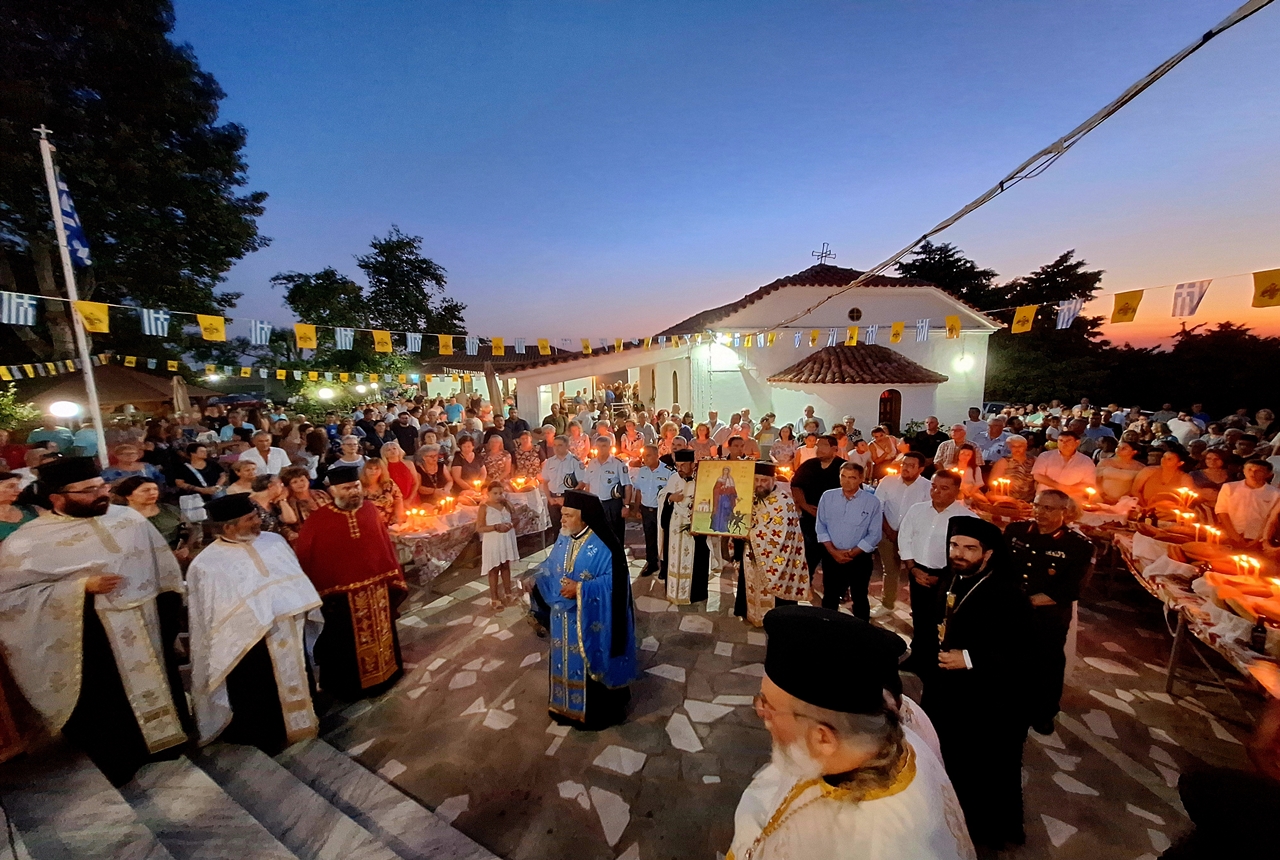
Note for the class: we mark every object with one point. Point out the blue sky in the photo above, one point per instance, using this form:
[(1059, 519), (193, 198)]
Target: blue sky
[(606, 168)]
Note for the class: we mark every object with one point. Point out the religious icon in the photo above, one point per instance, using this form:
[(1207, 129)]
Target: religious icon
[(722, 497)]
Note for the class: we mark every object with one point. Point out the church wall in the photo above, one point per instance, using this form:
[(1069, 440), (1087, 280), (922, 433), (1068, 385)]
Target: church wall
[(833, 402)]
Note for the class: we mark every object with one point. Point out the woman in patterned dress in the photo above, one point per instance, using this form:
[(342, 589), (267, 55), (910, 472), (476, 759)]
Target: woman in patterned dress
[(382, 491)]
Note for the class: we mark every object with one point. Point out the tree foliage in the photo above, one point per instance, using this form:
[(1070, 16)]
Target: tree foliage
[(157, 179), (948, 267)]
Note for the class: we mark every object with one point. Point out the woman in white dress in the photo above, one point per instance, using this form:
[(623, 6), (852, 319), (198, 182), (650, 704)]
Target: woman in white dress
[(495, 522)]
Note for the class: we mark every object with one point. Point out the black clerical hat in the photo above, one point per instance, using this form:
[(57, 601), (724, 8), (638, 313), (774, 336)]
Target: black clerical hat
[(342, 475), (983, 532), (763, 468), (854, 684), (583, 501), (224, 509), (684, 455), (66, 471)]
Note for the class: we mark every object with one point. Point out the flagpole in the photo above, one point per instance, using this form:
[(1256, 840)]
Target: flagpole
[(68, 274)]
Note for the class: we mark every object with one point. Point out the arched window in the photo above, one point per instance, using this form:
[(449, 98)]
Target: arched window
[(675, 387), (891, 409)]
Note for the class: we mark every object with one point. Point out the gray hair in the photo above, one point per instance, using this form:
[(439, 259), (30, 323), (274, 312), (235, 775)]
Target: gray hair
[(260, 433), (850, 466), (878, 735), (350, 438), (1071, 507)]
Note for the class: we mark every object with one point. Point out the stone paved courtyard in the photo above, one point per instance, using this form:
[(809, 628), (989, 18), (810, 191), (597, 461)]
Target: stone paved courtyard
[(467, 731)]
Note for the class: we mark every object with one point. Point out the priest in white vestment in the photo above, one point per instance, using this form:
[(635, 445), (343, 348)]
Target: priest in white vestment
[(90, 605), (851, 778), (675, 541), (254, 619)]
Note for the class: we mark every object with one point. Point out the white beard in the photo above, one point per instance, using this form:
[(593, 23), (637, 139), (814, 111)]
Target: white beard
[(794, 761)]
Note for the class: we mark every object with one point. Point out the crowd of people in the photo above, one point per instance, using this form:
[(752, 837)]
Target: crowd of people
[(278, 529)]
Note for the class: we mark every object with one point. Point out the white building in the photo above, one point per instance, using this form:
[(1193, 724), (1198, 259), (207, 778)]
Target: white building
[(698, 366)]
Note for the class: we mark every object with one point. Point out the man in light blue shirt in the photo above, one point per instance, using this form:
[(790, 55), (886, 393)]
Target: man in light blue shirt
[(646, 484), (50, 431), (453, 410), (848, 526)]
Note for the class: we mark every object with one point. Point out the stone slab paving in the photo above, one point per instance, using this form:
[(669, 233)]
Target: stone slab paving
[(467, 732)]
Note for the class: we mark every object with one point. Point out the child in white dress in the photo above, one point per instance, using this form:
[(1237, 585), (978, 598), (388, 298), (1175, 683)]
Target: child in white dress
[(498, 548)]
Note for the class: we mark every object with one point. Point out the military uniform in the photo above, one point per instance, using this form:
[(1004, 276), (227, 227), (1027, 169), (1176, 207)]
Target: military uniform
[(1054, 565)]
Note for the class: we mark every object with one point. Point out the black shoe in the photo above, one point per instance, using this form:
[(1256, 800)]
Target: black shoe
[(1043, 727), (646, 572)]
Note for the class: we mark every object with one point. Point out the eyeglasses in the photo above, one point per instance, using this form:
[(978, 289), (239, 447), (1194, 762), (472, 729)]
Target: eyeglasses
[(98, 490), (766, 711), (1040, 507)]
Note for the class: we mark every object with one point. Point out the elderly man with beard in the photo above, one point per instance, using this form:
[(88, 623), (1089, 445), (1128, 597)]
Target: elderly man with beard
[(583, 597), (346, 552), (977, 698), (90, 604), (775, 571), (254, 617), (856, 771)]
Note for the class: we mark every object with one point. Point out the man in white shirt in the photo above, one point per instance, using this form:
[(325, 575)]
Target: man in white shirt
[(606, 477), (1243, 506), (1065, 469), (809, 416), (270, 460), (733, 428), (646, 484), (922, 545), (714, 424), (975, 426), (554, 471), (1185, 428), (897, 494), (992, 440)]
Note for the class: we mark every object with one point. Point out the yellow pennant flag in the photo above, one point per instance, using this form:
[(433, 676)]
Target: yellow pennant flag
[(71, 365), (312, 375), (130, 361), (211, 327), (4, 372), (428, 377), (454, 377), (770, 338), (586, 346), (895, 332), (51, 367), (851, 336), (172, 365), (94, 316), (210, 370), (281, 374), (466, 377), (403, 378), (305, 335), (446, 344), (544, 346), (245, 371), (1266, 289), (373, 377), (1023, 317), (745, 340), (1126, 307), (343, 377), (617, 345), (953, 327), (30, 369), (497, 345), (814, 337), (381, 340), (648, 342)]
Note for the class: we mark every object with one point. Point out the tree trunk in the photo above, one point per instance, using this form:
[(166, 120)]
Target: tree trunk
[(56, 313)]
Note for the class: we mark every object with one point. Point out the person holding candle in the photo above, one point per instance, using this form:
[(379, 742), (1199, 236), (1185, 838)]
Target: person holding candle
[(1011, 475), (1243, 507), (782, 450), (381, 491), (1160, 484), (897, 494), (468, 469), (495, 522), (1208, 479), (497, 461), (1065, 469), (1117, 473)]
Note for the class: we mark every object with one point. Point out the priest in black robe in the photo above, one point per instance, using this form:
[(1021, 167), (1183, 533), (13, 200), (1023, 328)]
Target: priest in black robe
[(978, 698)]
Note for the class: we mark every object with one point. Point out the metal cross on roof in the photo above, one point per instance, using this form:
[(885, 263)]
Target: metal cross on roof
[(825, 254)]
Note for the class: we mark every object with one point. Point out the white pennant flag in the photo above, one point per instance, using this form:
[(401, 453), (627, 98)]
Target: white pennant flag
[(413, 341), (831, 338), (798, 336), (520, 345), (1187, 297), (1068, 311), (344, 337), (922, 330), (872, 331), (17, 309), (155, 322), (259, 332)]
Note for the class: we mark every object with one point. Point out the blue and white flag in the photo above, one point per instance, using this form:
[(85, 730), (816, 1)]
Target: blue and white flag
[(259, 332), (154, 323), (344, 337), (151, 364), (1187, 297), (473, 346), (1068, 311), (262, 372), (872, 331), (413, 341), (17, 309), (520, 345), (831, 338), (566, 344), (922, 330), (77, 244), (328, 376), (297, 374)]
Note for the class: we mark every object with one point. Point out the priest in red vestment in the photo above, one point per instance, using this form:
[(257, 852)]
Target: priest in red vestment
[(345, 550)]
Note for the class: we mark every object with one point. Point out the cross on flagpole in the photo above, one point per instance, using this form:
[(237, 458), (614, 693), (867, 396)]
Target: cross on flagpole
[(68, 274), (825, 254)]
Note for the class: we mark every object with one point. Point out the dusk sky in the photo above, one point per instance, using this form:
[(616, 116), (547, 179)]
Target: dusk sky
[(606, 168)]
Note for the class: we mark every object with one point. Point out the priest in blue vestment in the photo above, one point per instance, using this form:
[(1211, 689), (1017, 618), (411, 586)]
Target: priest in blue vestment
[(583, 597)]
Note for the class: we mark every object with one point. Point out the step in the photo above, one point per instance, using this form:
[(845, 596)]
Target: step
[(65, 809), (302, 820), (195, 819), (412, 830)]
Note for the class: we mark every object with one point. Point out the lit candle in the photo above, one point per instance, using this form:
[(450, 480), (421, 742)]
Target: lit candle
[(1236, 559), (1197, 527)]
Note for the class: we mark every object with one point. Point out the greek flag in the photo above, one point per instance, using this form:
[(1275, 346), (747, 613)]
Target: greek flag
[(1187, 298), (17, 309), (345, 337), (297, 374), (1068, 311), (798, 336), (151, 363), (922, 330), (77, 244), (413, 341), (831, 338), (473, 345), (520, 345), (259, 332), (872, 330), (154, 323)]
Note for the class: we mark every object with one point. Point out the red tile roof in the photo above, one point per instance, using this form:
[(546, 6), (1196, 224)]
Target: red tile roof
[(865, 363), (821, 275)]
